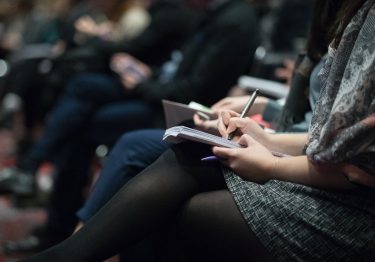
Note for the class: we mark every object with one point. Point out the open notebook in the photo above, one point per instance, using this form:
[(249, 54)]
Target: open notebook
[(179, 134)]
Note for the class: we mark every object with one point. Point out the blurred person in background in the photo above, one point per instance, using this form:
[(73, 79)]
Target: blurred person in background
[(209, 63), (255, 205), (34, 85)]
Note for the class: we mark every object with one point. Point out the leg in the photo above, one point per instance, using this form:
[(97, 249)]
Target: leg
[(213, 229), (73, 113), (131, 154), (142, 206), (111, 121)]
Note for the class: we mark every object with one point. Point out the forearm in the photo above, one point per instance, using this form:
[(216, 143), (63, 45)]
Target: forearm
[(291, 144), (301, 171)]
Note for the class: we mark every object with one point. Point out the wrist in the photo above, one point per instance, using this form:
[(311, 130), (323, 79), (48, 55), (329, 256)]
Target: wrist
[(274, 167), (267, 140)]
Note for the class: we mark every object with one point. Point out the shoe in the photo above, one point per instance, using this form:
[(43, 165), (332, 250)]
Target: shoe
[(36, 242), (17, 181)]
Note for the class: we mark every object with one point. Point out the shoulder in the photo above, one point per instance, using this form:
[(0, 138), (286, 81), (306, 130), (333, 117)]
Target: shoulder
[(238, 13)]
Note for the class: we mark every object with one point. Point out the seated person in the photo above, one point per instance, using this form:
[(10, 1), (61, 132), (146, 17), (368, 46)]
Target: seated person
[(34, 85), (252, 205), (226, 34), (136, 150)]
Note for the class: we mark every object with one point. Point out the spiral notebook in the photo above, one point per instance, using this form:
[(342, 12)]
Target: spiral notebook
[(179, 134)]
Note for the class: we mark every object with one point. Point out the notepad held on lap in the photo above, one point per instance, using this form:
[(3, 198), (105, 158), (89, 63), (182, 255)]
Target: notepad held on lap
[(179, 134)]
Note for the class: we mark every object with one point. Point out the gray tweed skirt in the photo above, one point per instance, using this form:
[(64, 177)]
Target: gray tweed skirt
[(300, 223)]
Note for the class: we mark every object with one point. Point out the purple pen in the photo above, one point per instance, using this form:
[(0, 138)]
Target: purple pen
[(210, 158)]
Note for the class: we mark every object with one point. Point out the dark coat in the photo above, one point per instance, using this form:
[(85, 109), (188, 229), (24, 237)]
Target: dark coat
[(172, 23), (216, 55)]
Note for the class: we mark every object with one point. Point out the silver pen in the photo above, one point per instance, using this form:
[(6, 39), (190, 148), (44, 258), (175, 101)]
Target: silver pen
[(245, 110)]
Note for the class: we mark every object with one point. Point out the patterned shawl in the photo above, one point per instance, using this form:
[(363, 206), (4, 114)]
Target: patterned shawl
[(343, 125)]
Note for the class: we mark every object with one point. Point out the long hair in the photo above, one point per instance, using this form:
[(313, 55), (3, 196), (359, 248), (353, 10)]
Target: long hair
[(324, 17), (343, 18), (330, 19)]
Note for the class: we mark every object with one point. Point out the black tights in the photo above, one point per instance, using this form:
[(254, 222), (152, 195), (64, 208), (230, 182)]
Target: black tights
[(179, 187)]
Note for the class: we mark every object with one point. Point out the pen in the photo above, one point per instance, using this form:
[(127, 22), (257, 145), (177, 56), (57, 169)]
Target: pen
[(210, 158), (245, 110)]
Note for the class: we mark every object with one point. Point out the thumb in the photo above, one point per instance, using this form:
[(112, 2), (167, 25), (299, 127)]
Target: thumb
[(246, 140)]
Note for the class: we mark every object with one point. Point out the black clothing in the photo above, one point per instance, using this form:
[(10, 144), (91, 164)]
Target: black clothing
[(171, 25), (220, 51), (212, 61), (179, 188)]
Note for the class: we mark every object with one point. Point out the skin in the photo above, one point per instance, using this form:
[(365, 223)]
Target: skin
[(119, 64), (255, 161)]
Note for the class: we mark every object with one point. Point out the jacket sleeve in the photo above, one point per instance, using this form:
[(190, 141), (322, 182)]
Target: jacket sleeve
[(166, 23), (222, 58)]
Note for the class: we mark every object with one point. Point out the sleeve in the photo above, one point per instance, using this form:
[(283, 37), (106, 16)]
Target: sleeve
[(165, 24), (222, 57)]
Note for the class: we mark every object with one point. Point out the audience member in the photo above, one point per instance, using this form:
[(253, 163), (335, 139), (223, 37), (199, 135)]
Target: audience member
[(259, 206), (136, 150), (34, 85), (129, 20), (217, 54)]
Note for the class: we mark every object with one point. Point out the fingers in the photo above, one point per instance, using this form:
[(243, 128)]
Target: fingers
[(129, 81), (222, 152), (225, 117), (357, 175), (246, 140), (197, 120)]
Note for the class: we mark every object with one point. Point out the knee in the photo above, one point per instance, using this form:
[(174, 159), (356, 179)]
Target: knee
[(85, 85), (201, 210), (129, 141), (129, 150)]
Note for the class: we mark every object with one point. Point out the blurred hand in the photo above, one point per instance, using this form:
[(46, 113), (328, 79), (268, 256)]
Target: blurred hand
[(86, 25), (254, 162), (229, 121), (105, 30), (238, 103), (131, 71), (209, 126)]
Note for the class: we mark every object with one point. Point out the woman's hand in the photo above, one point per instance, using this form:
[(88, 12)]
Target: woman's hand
[(238, 103), (254, 162), (209, 126), (358, 176), (229, 121)]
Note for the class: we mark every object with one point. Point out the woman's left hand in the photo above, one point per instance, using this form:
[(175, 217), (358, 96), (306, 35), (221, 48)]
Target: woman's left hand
[(358, 176), (253, 162)]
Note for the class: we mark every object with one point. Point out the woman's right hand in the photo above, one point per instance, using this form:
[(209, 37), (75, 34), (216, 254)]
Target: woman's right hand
[(229, 121)]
